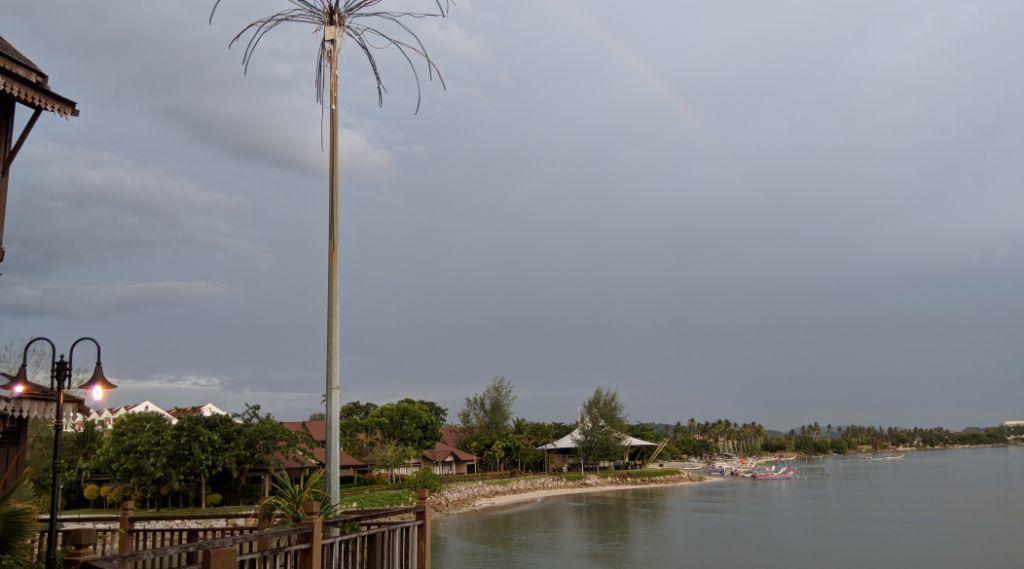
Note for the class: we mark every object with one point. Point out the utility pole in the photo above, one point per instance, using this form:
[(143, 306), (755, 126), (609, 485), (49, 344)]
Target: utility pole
[(332, 45)]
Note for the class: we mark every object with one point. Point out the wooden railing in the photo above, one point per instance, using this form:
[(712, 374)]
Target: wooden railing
[(125, 533), (395, 538)]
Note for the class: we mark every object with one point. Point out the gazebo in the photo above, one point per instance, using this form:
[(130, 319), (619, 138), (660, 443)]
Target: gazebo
[(22, 82), (562, 453)]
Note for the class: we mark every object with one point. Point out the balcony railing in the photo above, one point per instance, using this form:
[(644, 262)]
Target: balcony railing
[(395, 538)]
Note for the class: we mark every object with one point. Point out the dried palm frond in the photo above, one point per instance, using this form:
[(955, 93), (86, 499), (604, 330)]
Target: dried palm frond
[(370, 28)]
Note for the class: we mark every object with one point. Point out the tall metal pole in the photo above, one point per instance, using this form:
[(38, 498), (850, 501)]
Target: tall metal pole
[(332, 43), (60, 373)]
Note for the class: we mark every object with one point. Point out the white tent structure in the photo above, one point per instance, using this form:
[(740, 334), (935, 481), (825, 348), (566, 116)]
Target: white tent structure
[(569, 442), (564, 449)]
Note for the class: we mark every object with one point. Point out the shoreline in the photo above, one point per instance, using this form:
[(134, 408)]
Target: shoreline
[(490, 497), (541, 495)]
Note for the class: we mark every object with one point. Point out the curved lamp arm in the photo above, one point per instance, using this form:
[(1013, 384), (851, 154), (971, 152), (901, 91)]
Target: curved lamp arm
[(24, 359), (98, 384)]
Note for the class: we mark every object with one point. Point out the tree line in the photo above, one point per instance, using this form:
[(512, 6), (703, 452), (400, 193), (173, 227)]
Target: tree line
[(204, 461), (145, 458)]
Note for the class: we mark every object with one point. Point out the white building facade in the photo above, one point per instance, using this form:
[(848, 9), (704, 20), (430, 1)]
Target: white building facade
[(104, 418)]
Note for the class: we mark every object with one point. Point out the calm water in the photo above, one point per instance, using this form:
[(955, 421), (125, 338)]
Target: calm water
[(937, 510)]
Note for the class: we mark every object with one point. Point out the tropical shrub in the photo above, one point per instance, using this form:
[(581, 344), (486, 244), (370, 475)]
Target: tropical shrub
[(288, 498), (424, 478), (18, 515), (91, 492), (214, 499)]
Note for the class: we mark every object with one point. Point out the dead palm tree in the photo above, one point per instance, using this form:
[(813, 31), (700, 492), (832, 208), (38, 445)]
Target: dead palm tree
[(372, 29)]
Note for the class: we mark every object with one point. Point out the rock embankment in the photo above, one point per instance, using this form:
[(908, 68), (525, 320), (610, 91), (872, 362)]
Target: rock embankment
[(471, 495)]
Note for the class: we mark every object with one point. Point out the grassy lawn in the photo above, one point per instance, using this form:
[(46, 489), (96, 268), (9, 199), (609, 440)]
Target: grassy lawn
[(386, 499)]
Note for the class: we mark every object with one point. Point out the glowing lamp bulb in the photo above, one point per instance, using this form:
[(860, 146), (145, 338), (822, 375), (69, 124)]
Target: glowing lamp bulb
[(97, 393), (20, 388)]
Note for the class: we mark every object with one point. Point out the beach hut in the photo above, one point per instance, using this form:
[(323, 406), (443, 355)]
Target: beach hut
[(22, 82), (563, 453)]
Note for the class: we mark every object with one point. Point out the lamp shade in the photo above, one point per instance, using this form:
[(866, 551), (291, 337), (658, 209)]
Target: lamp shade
[(17, 384), (98, 384)]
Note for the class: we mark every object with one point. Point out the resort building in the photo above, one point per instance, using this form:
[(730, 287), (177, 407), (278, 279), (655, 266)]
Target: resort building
[(313, 455), (104, 418), (444, 459), (1019, 423)]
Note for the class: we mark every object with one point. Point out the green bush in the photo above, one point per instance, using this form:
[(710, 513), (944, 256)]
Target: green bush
[(424, 479), (214, 499), (572, 476)]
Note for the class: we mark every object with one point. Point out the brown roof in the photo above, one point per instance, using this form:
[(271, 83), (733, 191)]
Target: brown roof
[(452, 436), (8, 50), (26, 83), (179, 412), (303, 457), (441, 452), (347, 460), (315, 429)]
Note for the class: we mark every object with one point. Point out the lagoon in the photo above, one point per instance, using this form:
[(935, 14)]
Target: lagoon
[(935, 509)]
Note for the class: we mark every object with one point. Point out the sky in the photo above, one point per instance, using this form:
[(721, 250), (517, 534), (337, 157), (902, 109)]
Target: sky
[(776, 211)]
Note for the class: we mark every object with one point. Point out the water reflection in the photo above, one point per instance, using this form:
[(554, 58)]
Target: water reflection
[(947, 509)]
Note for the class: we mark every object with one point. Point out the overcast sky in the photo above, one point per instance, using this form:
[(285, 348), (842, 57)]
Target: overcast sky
[(776, 211)]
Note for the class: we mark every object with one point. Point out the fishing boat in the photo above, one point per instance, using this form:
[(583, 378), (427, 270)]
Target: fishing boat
[(770, 475), (895, 457)]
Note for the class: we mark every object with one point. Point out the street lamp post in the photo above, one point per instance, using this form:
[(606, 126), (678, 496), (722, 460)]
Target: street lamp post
[(60, 379)]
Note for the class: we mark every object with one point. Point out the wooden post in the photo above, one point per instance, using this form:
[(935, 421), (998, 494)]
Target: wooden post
[(191, 536), (223, 558), (6, 139), (83, 544), (423, 534), (125, 544), (312, 558), (264, 519), (374, 559)]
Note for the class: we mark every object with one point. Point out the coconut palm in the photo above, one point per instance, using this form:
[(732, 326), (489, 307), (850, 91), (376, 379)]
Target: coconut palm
[(372, 29)]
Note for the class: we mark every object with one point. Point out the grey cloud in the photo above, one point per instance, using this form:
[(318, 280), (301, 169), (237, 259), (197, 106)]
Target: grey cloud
[(75, 205), (781, 211), (97, 301)]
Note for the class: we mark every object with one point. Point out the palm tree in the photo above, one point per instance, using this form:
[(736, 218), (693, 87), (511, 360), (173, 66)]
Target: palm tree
[(290, 498), (18, 515), (371, 29)]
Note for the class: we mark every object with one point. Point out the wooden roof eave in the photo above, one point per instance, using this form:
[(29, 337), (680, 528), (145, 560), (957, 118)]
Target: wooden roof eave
[(36, 96)]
